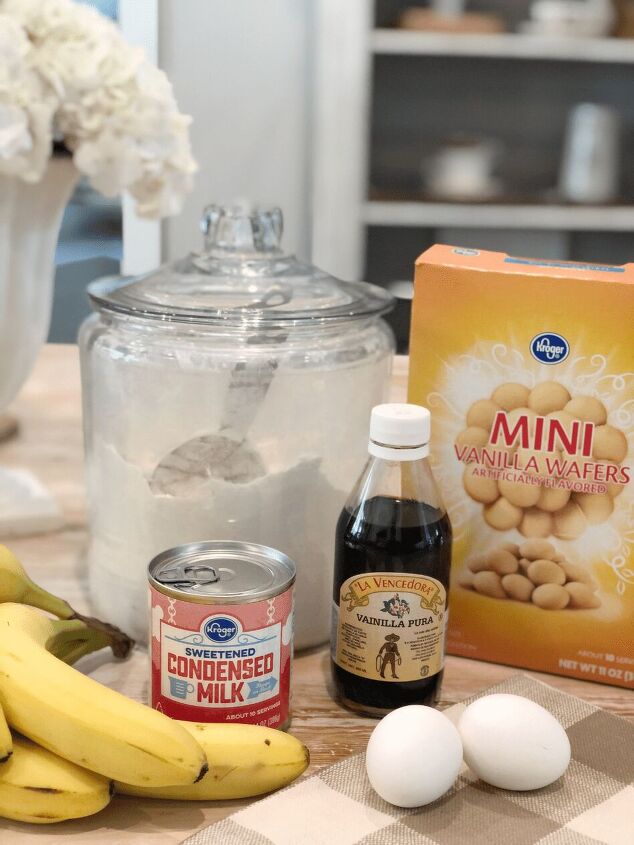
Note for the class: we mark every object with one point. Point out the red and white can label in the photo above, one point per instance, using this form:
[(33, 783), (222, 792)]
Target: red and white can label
[(222, 663)]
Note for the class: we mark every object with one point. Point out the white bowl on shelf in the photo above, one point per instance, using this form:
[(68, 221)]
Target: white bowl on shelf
[(570, 18)]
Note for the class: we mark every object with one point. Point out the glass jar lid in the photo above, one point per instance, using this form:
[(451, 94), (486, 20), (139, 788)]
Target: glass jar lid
[(240, 278)]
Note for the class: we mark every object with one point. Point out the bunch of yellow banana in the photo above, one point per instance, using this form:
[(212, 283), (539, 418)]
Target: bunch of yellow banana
[(79, 737)]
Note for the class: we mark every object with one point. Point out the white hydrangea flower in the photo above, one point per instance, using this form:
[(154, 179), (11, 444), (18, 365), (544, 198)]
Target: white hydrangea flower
[(70, 74), (26, 107)]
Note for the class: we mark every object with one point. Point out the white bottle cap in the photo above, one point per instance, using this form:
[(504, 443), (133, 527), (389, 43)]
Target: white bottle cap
[(399, 432)]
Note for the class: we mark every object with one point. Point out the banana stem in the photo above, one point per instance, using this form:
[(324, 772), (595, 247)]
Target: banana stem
[(18, 587), (73, 638), (73, 652), (120, 643), (37, 597)]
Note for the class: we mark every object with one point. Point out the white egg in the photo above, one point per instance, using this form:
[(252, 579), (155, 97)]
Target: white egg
[(413, 756), (511, 742)]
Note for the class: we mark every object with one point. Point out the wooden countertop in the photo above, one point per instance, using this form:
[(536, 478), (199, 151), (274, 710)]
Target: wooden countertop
[(50, 445)]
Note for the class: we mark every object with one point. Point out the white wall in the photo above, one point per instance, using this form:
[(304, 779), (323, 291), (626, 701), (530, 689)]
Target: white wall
[(242, 69), (138, 20)]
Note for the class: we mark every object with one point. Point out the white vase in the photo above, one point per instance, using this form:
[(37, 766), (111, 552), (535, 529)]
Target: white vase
[(30, 218)]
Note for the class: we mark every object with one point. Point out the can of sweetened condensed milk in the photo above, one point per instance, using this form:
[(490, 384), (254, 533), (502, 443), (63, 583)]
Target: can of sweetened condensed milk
[(221, 633)]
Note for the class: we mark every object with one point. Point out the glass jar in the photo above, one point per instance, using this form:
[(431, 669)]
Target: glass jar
[(226, 397)]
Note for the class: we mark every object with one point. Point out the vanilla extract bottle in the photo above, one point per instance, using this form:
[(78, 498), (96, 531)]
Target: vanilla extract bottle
[(391, 579)]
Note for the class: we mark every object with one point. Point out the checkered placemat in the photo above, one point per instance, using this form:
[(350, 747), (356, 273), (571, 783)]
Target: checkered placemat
[(592, 803)]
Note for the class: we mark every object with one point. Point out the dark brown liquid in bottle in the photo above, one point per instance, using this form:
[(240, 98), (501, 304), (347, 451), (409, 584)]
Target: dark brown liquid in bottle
[(389, 535)]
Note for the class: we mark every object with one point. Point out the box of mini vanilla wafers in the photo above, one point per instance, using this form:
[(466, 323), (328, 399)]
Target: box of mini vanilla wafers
[(527, 367)]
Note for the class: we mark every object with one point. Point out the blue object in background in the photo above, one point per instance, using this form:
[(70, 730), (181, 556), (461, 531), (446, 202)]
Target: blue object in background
[(90, 243), (110, 8), (90, 246)]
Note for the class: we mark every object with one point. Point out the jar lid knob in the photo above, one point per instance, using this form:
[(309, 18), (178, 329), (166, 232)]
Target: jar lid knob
[(238, 230)]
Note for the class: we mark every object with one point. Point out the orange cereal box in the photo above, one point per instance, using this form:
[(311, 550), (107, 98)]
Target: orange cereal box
[(527, 367)]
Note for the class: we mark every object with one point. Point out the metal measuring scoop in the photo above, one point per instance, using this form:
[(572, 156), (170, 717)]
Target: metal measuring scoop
[(226, 455)]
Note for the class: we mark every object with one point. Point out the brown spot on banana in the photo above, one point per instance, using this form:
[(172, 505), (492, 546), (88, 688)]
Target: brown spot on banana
[(203, 771), (48, 790)]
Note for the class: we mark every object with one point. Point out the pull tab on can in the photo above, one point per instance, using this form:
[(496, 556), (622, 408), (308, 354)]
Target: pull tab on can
[(188, 575)]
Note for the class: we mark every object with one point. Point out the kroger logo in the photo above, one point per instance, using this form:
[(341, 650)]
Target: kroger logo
[(463, 251), (549, 348), (220, 629)]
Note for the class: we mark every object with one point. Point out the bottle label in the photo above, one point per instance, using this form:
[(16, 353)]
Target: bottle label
[(391, 626)]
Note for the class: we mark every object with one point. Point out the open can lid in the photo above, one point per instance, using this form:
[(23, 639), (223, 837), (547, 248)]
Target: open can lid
[(231, 572)]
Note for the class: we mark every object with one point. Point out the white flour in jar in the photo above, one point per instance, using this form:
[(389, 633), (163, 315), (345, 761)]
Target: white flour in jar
[(303, 449), (293, 510)]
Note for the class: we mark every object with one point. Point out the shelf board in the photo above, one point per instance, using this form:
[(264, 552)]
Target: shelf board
[(503, 46), (499, 216)]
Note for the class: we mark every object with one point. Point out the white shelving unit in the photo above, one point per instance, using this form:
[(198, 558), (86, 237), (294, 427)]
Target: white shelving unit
[(504, 46), (503, 216), (348, 45)]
